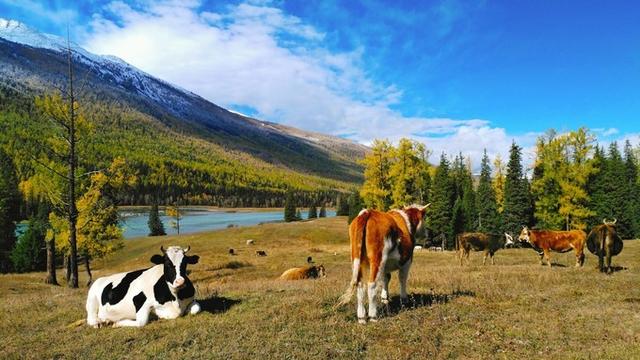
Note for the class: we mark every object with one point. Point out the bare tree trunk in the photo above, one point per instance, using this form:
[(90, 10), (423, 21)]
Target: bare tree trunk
[(73, 212), (88, 268), (67, 268), (51, 262)]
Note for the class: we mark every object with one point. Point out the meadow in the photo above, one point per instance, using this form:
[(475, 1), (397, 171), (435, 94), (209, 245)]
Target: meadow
[(514, 309)]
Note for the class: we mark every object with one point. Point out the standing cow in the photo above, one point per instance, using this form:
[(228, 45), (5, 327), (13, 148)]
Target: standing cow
[(383, 242), (127, 299), (488, 243), (603, 241), (544, 241)]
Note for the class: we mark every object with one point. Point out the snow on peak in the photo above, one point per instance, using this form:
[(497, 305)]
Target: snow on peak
[(18, 32)]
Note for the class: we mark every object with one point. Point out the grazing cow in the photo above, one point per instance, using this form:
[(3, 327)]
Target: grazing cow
[(603, 241), (232, 251), (383, 242), (307, 272), (488, 243), (127, 299), (250, 242), (261, 253), (543, 241), (435, 248)]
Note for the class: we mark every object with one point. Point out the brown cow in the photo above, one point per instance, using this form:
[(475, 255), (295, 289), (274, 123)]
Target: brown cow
[(383, 242), (543, 241), (488, 243), (603, 241), (307, 272)]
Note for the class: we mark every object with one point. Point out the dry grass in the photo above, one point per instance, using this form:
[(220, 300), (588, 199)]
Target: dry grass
[(515, 309)]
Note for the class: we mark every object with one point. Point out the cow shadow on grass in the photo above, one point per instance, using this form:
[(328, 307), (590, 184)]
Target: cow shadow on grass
[(217, 304), (415, 301)]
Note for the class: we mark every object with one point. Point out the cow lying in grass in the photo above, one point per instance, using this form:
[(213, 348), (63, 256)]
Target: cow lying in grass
[(382, 242), (307, 272), (127, 299), (487, 243)]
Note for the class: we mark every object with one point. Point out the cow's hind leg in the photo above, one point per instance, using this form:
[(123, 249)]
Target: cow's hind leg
[(403, 275), (376, 271), (360, 310), (385, 288), (484, 258), (547, 256), (93, 304)]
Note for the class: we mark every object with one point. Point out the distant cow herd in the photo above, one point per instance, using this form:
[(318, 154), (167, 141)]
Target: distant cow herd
[(381, 243)]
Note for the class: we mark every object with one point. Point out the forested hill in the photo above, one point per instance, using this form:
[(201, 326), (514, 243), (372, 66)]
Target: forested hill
[(182, 145)]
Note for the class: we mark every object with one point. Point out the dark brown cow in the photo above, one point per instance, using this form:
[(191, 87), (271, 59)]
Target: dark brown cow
[(543, 241), (604, 242), (488, 243)]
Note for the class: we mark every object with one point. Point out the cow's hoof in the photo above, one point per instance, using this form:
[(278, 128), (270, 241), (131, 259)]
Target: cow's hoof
[(373, 319), (362, 321)]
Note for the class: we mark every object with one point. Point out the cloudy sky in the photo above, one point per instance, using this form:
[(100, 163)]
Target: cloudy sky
[(457, 75)]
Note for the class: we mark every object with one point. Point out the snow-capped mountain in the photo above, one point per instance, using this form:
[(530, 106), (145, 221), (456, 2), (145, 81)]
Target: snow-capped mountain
[(31, 61)]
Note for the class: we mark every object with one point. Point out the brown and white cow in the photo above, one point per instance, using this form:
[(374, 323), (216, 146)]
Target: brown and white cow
[(545, 241), (604, 242), (487, 243), (383, 242)]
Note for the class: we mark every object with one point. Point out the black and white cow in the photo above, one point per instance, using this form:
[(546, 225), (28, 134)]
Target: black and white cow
[(127, 299)]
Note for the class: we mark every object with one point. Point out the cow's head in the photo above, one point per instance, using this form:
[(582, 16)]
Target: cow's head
[(321, 271), (525, 234), (508, 240), (175, 260), (415, 215), (610, 223)]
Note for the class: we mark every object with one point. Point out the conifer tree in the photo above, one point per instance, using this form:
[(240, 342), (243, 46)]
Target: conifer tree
[(323, 212), (9, 206), (517, 200), (289, 208), (598, 187), (156, 227), (488, 220), (355, 205), (633, 191), (457, 222), (440, 213), (313, 212), (29, 254), (342, 205)]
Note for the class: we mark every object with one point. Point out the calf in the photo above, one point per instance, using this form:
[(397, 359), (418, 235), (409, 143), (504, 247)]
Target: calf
[(127, 299), (383, 242), (487, 243), (604, 242), (545, 241), (307, 272)]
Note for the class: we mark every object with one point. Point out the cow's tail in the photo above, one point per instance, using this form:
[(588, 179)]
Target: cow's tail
[(358, 235)]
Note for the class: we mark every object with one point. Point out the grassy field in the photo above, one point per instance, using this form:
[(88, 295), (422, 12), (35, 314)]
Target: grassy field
[(515, 309)]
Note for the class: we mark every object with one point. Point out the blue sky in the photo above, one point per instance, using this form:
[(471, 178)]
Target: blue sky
[(458, 75)]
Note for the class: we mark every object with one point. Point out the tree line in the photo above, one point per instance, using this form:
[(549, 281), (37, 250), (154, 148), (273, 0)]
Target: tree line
[(574, 183)]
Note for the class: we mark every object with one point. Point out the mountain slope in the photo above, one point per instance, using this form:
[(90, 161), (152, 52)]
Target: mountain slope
[(32, 63)]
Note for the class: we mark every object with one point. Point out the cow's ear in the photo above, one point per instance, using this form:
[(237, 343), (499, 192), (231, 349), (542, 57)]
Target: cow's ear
[(157, 259), (193, 259)]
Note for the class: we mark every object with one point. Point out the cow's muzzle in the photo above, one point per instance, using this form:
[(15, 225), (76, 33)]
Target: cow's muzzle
[(178, 283)]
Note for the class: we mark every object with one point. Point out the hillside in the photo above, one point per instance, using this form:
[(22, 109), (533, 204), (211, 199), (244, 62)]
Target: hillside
[(514, 310), (156, 124)]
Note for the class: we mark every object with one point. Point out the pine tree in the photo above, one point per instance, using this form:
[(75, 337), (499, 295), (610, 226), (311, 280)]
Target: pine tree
[(355, 205), (440, 213), (517, 200), (323, 212), (633, 192), (488, 220), (376, 190), (457, 222), (156, 228), (342, 205), (313, 212), (9, 207), (28, 254), (598, 187), (298, 215), (289, 208)]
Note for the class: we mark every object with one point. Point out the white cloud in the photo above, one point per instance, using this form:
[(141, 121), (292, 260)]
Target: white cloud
[(254, 55)]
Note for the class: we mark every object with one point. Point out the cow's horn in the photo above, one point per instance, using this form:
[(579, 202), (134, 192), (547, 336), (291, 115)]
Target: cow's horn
[(187, 249), (604, 221), (614, 221), (426, 206), (162, 249)]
